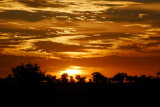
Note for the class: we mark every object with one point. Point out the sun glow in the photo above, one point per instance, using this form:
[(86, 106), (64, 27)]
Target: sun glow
[(72, 70)]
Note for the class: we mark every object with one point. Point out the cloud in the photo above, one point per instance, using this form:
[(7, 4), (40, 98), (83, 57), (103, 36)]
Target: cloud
[(117, 36), (145, 1), (144, 47), (156, 38), (131, 47), (72, 33), (132, 14), (153, 44), (22, 15), (8, 43), (49, 46), (108, 36), (42, 3)]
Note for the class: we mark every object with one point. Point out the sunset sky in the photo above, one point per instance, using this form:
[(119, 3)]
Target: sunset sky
[(82, 36)]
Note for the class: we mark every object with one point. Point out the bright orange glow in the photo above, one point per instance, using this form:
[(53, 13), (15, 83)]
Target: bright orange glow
[(72, 70)]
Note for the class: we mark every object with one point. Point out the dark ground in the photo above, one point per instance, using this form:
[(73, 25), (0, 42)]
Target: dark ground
[(80, 95)]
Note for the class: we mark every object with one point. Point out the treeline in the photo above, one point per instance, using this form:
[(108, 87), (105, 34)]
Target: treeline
[(31, 74), (28, 86)]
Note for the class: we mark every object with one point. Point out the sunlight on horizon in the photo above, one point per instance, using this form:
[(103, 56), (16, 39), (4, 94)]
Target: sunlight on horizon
[(73, 70)]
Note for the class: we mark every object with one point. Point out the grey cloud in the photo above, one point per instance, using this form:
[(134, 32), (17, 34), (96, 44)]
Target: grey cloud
[(107, 36), (154, 38), (42, 3), (153, 44), (35, 16), (2, 46), (100, 46), (131, 47), (145, 1), (141, 1), (139, 47), (29, 33), (9, 42), (115, 15), (21, 15), (131, 15), (51, 46)]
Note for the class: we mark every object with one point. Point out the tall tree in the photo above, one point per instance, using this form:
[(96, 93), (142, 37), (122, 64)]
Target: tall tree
[(28, 74)]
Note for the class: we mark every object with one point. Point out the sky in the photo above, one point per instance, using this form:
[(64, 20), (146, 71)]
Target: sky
[(106, 36)]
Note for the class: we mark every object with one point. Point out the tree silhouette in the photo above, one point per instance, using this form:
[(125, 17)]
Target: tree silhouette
[(144, 79), (65, 90), (130, 79), (64, 78), (29, 74), (50, 79), (90, 80), (72, 80), (158, 74), (80, 79), (120, 77), (10, 79), (99, 78)]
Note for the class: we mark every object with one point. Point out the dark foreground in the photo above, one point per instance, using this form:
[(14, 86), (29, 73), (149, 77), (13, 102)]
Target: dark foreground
[(80, 95)]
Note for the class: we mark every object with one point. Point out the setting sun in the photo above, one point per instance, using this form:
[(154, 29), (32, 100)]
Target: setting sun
[(72, 70)]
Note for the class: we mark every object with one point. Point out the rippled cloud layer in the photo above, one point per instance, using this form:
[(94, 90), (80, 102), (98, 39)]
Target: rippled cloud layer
[(79, 29)]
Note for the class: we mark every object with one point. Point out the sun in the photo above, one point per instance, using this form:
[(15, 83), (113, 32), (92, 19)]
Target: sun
[(72, 70)]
